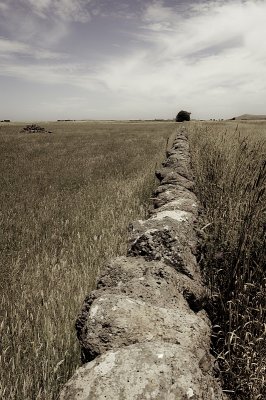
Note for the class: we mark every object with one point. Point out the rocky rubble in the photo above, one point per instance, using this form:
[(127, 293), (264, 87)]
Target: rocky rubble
[(143, 332), (33, 128)]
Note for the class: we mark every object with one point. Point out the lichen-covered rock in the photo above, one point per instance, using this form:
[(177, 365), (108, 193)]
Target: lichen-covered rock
[(145, 371)]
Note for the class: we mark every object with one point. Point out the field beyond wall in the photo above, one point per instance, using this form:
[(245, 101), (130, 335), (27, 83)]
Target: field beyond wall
[(66, 200), (65, 203), (230, 168)]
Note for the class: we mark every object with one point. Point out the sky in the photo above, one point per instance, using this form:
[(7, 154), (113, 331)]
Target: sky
[(131, 59)]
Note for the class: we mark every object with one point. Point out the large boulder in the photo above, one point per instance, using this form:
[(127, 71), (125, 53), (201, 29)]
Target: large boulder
[(158, 371)]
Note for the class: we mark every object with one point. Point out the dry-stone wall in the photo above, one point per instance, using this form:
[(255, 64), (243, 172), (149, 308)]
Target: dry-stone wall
[(144, 333)]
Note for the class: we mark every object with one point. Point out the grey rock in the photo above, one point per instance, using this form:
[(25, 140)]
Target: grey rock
[(154, 283), (168, 176), (162, 245), (166, 194), (181, 148), (146, 371), (166, 230), (180, 166), (160, 284), (178, 204), (115, 321)]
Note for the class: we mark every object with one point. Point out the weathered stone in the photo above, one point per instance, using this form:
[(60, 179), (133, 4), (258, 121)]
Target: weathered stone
[(173, 227), (168, 176), (162, 244), (181, 135), (162, 284), (178, 179), (168, 193), (181, 149), (180, 166), (151, 282), (154, 371), (115, 321), (183, 218), (179, 156), (172, 187), (181, 145), (179, 204)]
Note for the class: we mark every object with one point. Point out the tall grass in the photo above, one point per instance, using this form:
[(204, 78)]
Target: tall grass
[(230, 167), (66, 200)]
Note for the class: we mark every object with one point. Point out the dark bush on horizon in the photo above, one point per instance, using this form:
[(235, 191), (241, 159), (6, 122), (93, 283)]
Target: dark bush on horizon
[(183, 116)]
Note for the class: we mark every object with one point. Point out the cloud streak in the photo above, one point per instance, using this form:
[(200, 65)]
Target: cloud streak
[(68, 10), (12, 48)]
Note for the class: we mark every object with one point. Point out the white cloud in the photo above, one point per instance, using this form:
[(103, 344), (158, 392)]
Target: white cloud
[(9, 48), (156, 16), (214, 57), (213, 62), (54, 74)]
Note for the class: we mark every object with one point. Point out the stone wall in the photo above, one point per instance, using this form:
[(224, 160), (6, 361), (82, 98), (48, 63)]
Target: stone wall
[(144, 333)]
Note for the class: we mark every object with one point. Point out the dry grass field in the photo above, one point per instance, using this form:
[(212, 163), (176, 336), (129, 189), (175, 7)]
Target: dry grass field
[(230, 167), (66, 200)]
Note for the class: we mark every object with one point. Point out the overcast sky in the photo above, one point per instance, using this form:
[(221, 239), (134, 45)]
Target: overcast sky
[(126, 59)]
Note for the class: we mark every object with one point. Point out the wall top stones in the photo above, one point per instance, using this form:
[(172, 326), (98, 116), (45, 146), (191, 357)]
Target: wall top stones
[(143, 332)]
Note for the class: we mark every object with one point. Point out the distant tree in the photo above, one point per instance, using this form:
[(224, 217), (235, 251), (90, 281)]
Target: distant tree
[(183, 116)]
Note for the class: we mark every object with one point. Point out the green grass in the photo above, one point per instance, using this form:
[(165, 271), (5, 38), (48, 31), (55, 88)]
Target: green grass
[(66, 200), (230, 168)]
